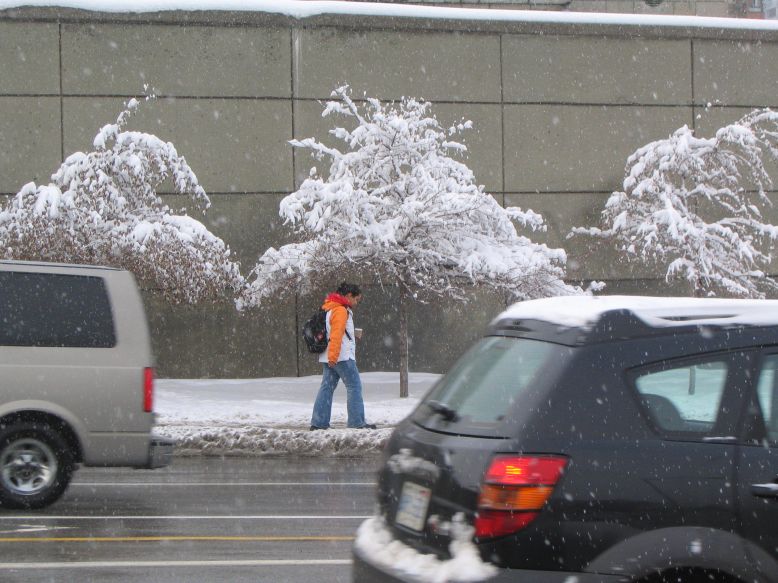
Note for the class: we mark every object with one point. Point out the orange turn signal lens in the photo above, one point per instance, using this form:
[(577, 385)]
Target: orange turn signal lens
[(497, 497)]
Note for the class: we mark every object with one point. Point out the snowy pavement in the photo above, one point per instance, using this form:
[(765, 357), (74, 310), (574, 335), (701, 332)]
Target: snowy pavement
[(271, 416)]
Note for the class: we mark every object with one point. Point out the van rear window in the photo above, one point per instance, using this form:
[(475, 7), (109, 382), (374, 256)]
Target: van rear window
[(43, 309)]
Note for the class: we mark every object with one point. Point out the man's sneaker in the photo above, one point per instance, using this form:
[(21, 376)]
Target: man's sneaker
[(314, 428), (367, 426)]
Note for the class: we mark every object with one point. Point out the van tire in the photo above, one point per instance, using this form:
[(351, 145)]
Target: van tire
[(36, 465)]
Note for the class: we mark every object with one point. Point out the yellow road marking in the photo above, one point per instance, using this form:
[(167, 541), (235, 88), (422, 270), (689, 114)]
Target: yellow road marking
[(110, 539)]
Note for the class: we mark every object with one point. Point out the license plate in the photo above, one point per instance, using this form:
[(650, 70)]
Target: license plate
[(412, 509)]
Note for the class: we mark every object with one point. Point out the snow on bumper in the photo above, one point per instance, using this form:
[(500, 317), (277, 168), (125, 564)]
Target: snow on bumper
[(380, 558), (376, 551)]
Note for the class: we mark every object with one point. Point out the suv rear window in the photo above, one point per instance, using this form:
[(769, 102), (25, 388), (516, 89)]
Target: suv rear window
[(43, 309), (490, 380)]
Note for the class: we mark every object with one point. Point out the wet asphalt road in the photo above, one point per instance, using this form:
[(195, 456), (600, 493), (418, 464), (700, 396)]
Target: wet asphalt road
[(199, 520)]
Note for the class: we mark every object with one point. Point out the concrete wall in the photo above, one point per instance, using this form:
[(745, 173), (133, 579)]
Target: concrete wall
[(717, 8), (557, 109)]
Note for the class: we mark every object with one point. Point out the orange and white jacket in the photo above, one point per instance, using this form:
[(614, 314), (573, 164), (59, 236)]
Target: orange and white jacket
[(339, 321)]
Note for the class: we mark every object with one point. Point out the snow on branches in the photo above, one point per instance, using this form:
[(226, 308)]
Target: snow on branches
[(695, 206), (396, 205), (102, 207)]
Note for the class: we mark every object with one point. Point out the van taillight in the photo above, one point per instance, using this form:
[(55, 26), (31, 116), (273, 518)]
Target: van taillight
[(514, 490), (148, 389)]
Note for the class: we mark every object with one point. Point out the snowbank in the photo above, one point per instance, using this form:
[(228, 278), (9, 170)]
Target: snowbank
[(272, 416)]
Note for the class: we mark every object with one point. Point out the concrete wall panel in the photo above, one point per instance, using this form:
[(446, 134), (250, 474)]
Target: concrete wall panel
[(736, 73), (484, 140), (712, 8), (29, 58), (390, 65), (30, 141), (106, 59), (588, 258), (216, 341), (583, 148), (540, 69), (684, 8), (248, 223), (708, 120), (622, 6), (233, 145), (663, 8)]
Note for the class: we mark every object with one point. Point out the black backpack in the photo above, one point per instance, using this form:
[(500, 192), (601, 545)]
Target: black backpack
[(315, 332)]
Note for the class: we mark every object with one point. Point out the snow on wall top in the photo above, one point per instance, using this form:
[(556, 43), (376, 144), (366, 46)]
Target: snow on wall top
[(301, 9), (585, 311)]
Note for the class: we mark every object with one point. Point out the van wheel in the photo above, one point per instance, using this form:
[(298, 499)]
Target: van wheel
[(36, 465)]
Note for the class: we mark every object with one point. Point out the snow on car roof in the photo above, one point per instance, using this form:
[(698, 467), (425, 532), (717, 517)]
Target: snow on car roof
[(585, 311)]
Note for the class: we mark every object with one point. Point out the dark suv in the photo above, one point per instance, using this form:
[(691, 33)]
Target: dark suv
[(591, 439)]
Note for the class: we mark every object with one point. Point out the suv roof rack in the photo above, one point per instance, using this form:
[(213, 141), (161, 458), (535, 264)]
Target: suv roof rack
[(611, 317)]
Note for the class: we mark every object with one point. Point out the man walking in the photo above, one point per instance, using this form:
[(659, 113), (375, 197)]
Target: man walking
[(339, 360)]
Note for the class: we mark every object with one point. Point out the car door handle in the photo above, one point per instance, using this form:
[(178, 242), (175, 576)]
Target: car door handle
[(765, 490)]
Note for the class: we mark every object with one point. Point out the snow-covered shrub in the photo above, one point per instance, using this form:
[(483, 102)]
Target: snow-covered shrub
[(102, 207), (395, 206), (695, 206)]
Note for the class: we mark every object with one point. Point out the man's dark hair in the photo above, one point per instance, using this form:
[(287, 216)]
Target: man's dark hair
[(349, 288)]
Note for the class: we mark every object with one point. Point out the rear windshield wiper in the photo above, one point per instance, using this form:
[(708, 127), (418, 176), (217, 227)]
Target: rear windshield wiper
[(443, 410)]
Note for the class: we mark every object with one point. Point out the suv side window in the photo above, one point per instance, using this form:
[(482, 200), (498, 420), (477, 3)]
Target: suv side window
[(44, 309), (767, 393), (684, 398)]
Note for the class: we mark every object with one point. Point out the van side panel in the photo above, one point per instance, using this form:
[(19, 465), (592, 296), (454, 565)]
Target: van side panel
[(101, 387)]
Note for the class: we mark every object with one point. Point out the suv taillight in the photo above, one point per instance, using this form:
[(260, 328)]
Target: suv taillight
[(514, 489), (148, 389)]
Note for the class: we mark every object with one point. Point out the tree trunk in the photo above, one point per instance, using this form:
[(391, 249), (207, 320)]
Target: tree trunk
[(697, 290), (405, 300)]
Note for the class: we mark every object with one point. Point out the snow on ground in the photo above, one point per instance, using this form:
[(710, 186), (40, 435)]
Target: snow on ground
[(271, 416)]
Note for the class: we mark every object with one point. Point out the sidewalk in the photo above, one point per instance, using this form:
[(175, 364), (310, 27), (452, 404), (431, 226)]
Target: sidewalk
[(271, 416)]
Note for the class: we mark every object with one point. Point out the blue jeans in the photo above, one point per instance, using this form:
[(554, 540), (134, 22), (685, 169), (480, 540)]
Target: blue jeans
[(345, 370)]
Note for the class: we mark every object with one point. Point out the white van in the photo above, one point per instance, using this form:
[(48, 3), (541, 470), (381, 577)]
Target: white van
[(76, 378)]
